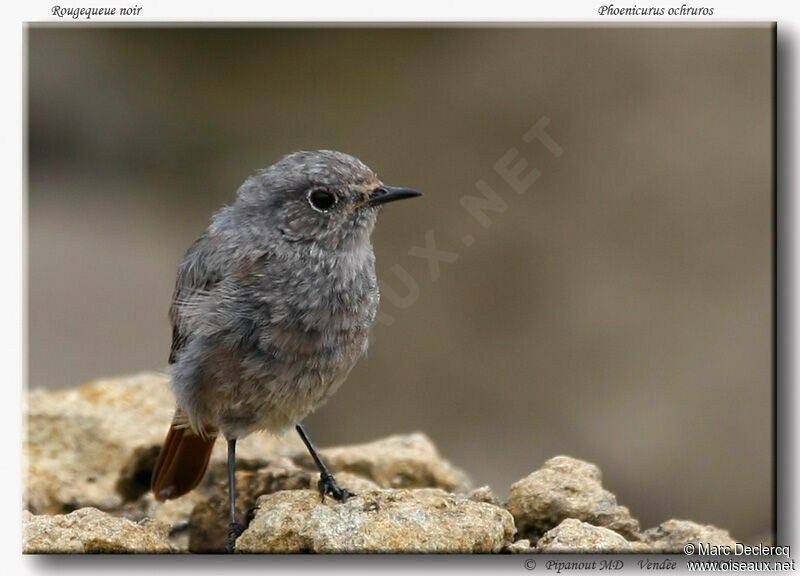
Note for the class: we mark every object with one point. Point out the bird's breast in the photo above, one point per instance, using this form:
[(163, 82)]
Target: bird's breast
[(321, 306)]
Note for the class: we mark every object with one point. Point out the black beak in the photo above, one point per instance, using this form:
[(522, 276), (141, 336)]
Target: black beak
[(385, 194)]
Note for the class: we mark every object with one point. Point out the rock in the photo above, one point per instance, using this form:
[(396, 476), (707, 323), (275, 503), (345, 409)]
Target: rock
[(573, 536), (134, 478), (410, 461), (520, 547), (671, 536), (419, 520), (89, 454), (208, 524), (95, 445), (90, 531), (173, 513), (566, 488), (484, 494)]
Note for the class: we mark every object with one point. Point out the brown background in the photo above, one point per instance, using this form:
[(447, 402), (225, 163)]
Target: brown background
[(619, 311)]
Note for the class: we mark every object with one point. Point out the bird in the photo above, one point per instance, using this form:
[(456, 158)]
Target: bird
[(272, 308)]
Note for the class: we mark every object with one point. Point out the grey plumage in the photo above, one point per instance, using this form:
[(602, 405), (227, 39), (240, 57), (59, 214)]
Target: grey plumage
[(272, 308), (274, 302)]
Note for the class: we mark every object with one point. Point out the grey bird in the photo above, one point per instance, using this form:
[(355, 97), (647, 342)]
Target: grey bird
[(272, 308)]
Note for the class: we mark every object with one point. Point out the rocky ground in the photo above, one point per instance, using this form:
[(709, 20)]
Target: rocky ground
[(89, 453)]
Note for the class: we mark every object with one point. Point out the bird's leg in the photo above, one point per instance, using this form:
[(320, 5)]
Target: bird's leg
[(327, 483), (235, 529)]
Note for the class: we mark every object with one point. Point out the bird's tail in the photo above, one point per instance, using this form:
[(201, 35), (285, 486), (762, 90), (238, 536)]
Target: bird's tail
[(182, 461)]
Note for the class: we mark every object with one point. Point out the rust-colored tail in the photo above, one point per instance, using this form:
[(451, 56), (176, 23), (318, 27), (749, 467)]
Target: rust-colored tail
[(182, 461)]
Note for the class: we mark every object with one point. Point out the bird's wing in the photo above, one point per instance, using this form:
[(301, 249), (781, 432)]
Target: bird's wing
[(197, 277)]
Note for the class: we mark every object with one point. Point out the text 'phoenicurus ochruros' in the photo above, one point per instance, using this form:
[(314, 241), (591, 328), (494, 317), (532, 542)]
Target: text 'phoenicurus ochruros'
[(272, 308)]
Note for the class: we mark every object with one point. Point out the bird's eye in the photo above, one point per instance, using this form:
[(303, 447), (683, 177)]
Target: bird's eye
[(321, 200)]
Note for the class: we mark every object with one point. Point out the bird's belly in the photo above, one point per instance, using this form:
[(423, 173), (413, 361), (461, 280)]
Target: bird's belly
[(298, 351), (296, 376)]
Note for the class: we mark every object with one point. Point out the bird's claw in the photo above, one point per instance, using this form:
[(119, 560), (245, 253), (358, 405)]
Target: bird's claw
[(234, 531), (327, 485)]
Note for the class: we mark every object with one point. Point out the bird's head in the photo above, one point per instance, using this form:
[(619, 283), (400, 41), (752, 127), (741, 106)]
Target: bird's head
[(323, 197)]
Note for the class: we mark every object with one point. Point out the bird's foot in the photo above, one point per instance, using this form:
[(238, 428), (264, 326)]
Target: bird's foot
[(234, 531), (327, 485)]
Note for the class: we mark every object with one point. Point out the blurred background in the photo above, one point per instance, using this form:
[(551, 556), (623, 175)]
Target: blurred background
[(619, 311)]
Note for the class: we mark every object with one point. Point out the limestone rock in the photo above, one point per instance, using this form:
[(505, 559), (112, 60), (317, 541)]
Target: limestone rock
[(420, 520), (208, 524), (410, 461), (484, 494), (90, 531), (93, 448), (566, 488), (134, 478), (573, 536), (92, 445), (520, 547), (671, 536), (174, 513)]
